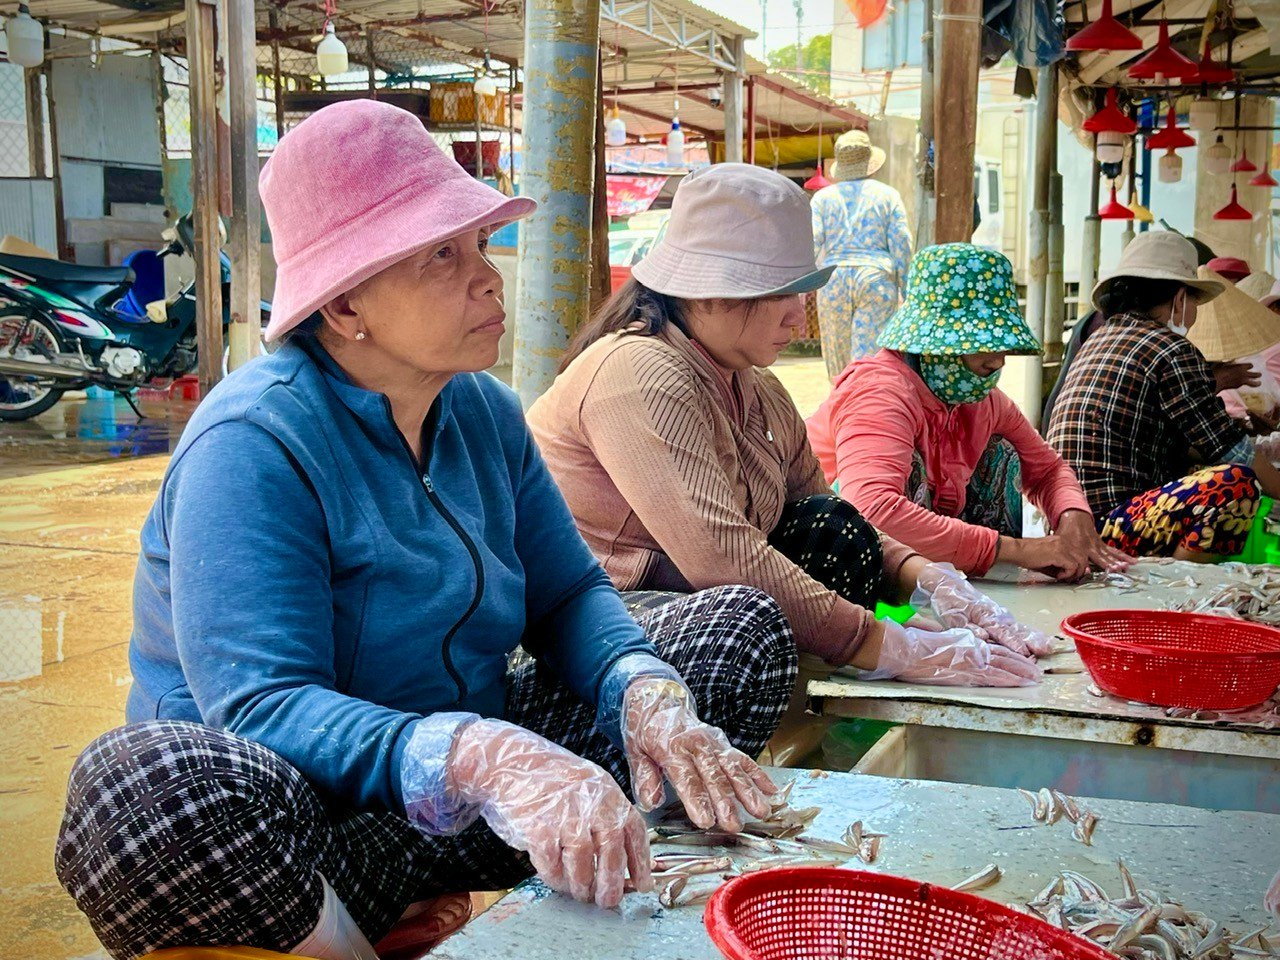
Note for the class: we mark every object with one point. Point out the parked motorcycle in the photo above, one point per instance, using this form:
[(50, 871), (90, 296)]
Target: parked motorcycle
[(66, 327)]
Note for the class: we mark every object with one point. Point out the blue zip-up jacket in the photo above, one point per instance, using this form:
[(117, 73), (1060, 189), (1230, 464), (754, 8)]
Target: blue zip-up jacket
[(302, 585)]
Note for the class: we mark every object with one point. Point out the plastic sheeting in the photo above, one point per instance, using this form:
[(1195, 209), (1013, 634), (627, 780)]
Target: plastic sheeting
[(1031, 29)]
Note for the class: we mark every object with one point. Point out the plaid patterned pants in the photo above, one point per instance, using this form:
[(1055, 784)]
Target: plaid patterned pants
[(178, 834)]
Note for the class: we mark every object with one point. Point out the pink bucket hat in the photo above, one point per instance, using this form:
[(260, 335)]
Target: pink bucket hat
[(355, 188)]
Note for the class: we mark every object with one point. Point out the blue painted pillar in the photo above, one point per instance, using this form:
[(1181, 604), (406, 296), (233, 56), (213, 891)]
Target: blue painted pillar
[(561, 44)]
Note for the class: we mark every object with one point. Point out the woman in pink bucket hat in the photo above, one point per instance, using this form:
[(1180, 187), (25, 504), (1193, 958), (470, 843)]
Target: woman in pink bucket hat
[(687, 465), (353, 537)]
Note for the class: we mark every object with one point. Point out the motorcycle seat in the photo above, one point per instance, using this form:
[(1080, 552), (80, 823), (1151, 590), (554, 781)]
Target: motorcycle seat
[(57, 271)]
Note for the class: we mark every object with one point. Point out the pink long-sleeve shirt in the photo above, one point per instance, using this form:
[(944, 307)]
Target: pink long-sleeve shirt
[(880, 413)]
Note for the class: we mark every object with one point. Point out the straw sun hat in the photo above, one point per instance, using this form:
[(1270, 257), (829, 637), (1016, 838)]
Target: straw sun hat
[(856, 157), (1234, 325), (1261, 286), (1160, 255)]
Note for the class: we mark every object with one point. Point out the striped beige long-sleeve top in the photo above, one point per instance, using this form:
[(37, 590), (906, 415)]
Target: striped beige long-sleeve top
[(676, 472)]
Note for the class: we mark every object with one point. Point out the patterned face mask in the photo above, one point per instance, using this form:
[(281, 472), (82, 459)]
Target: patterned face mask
[(952, 382)]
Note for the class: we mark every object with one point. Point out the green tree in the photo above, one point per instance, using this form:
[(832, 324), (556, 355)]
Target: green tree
[(812, 66)]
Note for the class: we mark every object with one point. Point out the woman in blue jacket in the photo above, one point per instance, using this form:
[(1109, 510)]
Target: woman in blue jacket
[(352, 538)]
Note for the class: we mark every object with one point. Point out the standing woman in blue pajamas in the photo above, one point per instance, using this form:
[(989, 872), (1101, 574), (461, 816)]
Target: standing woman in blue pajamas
[(860, 228)]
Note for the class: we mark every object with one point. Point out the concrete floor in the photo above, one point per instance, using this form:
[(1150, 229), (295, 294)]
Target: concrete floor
[(75, 486)]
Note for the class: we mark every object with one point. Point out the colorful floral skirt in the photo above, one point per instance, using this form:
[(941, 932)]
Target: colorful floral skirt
[(993, 498), (1210, 511), (853, 308)]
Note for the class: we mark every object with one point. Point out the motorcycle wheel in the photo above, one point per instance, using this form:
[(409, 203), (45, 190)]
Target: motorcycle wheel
[(22, 398)]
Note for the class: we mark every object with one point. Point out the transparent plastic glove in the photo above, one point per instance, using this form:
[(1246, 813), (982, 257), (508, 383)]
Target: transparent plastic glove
[(1272, 900), (581, 832), (951, 658), (663, 736), (958, 603)]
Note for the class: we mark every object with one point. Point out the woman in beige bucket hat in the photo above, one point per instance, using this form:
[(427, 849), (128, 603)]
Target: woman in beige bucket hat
[(860, 229), (1167, 471), (686, 464)]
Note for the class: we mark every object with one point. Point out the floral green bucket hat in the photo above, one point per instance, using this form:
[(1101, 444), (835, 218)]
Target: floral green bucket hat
[(961, 299)]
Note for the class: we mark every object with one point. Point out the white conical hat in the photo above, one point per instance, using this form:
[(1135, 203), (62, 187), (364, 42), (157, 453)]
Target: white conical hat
[(1257, 284), (1233, 324)]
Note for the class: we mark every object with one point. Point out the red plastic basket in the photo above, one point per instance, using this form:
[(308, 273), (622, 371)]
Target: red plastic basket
[(827, 913), (1178, 659)]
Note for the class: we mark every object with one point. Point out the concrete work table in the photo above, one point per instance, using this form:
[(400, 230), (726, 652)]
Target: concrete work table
[(1058, 733), (1217, 863)]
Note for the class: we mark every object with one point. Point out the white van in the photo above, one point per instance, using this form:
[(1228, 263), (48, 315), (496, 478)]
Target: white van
[(988, 191)]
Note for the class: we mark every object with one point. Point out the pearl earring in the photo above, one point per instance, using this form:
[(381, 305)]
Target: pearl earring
[(360, 334)]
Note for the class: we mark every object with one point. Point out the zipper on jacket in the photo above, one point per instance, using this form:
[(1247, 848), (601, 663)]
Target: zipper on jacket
[(430, 490), (467, 542)]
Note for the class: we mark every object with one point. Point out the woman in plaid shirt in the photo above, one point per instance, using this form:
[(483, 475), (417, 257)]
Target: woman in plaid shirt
[(1165, 468)]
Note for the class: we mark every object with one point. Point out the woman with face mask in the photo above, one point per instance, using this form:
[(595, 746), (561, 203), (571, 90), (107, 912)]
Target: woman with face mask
[(920, 441), (1166, 469)]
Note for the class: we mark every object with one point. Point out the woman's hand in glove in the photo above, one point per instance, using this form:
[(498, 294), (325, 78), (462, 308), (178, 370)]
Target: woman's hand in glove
[(579, 829), (958, 603), (663, 737), (954, 658)]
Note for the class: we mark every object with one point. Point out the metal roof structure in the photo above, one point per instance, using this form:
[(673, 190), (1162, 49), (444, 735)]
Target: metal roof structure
[(1237, 33), (654, 51)]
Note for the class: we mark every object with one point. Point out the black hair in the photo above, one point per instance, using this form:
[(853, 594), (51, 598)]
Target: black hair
[(1142, 295)]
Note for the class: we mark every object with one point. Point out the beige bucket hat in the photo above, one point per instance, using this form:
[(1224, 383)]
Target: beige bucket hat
[(856, 157), (1160, 255), (736, 231), (1234, 325)]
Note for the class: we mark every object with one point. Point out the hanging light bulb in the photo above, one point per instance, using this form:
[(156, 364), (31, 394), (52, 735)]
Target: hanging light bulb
[(1113, 209), (1203, 115), (1244, 164), (25, 38), (1209, 71), (615, 131), (1111, 147), (1233, 210), (1170, 168), (331, 54), (1105, 33), (675, 138), (1217, 159), (485, 85)]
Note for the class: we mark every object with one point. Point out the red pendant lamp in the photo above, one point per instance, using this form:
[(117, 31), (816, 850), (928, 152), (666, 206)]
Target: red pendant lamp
[(1162, 60), (1209, 72), (817, 181), (1170, 136), (1244, 164), (1113, 209), (1265, 179), (1110, 119), (1105, 33), (1232, 211)]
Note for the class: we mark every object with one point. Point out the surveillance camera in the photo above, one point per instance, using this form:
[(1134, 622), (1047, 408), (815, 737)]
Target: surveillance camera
[(716, 96)]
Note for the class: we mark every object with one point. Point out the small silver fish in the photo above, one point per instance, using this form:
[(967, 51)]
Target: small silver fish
[(1133, 928), (988, 876)]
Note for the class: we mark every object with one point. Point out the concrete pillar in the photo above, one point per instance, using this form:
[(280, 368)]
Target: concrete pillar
[(1247, 239), (1046, 120), (562, 42)]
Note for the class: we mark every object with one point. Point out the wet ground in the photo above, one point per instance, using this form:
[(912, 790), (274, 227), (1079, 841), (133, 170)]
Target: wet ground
[(75, 486)]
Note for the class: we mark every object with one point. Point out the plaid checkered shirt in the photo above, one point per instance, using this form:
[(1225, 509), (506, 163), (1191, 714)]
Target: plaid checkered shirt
[(1138, 408)]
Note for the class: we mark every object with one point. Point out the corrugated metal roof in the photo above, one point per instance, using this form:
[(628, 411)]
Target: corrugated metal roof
[(651, 48)]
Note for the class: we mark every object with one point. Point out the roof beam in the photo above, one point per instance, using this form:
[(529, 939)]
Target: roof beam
[(671, 30), (650, 115), (830, 109)]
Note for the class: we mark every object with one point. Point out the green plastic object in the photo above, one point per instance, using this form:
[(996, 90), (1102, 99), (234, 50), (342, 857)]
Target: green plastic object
[(1261, 546), (847, 740), (897, 614)]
